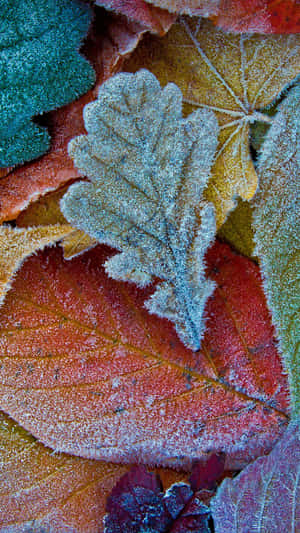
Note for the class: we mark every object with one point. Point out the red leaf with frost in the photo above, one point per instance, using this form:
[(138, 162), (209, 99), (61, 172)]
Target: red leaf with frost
[(259, 16), (87, 370)]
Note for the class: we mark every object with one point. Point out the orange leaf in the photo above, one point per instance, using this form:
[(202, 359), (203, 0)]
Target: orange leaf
[(153, 18), (47, 490), (88, 371), (114, 39)]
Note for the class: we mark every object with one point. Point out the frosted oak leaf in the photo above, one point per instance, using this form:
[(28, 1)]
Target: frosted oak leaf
[(148, 168)]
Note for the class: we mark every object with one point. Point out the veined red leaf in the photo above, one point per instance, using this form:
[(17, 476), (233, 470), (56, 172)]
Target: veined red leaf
[(87, 371)]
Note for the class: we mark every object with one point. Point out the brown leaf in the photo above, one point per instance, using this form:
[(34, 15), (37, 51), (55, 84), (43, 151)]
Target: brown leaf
[(106, 49), (205, 8)]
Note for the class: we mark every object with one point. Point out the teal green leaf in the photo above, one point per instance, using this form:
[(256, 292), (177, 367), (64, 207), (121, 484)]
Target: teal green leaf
[(148, 168), (276, 220), (40, 70)]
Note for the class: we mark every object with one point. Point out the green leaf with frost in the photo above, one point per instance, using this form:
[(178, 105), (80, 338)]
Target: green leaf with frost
[(40, 70), (276, 220), (148, 168)]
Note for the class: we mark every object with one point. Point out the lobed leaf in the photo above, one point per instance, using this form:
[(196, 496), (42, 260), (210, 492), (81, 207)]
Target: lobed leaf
[(88, 371), (234, 76), (41, 70), (265, 496), (148, 168), (277, 232)]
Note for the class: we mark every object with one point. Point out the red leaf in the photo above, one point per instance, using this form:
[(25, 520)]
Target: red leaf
[(153, 18), (260, 16), (114, 39), (88, 371), (265, 496)]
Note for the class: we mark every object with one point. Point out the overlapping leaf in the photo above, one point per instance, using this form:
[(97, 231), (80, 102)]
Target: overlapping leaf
[(259, 16), (16, 244), (233, 75), (88, 371), (41, 70), (154, 19), (148, 167), (276, 220), (265, 496), (106, 48), (41, 490), (47, 211)]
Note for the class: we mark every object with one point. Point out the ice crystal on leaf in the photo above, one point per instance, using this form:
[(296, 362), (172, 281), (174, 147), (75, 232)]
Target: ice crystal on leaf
[(277, 231), (148, 168), (40, 70)]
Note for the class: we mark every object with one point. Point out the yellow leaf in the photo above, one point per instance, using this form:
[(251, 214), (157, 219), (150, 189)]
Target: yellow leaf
[(238, 231), (46, 211), (235, 76), (16, 244)]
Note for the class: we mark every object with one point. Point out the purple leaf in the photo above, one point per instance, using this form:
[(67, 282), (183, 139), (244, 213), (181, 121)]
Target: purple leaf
[(264, 497), (138, 504)]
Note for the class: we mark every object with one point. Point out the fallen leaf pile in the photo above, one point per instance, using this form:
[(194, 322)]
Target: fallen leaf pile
[(149, 266)]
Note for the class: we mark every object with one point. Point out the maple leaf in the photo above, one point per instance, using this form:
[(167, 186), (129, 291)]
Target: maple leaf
[(148, 168), (154, 19), (106, 48), (277, 231), (137, 502), (236, 77), (16, 244), (41, 70), (88, 371), (264, 497)]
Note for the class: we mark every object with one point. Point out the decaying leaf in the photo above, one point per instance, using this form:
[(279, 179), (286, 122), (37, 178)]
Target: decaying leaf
[(41, 70), (138, 503), (153, 18), (88, 371), (47, 211), (106, 48), (276, 220), (265, 496), (235, 76), (16, 244), (148, 167)]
